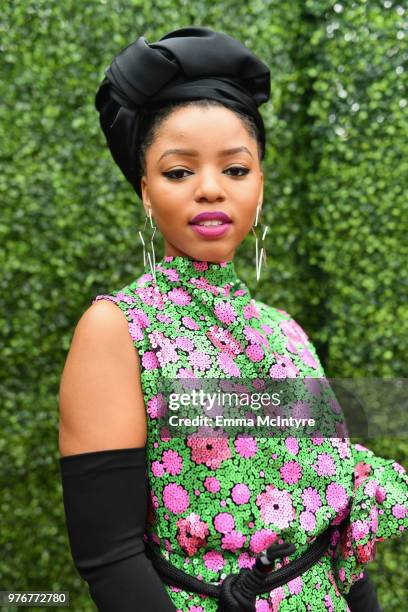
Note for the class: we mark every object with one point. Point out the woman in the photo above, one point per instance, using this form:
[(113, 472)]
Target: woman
[(182, 122)]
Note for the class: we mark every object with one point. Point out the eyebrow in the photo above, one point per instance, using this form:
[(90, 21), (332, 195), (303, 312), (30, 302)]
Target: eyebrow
[(194, 153)]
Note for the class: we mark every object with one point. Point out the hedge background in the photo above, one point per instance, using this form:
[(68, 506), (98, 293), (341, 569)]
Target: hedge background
[(335, 199)]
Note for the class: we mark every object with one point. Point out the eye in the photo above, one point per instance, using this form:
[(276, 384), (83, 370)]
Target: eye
[(244, 170), (171, 174)]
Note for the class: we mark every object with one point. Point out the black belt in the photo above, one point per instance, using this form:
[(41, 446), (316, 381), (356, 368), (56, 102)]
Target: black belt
[(237, 592)]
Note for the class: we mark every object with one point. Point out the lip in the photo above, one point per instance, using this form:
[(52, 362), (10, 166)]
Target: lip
[(216, 215), (211, 232)]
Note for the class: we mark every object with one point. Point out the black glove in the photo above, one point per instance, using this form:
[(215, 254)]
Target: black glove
[(362, 596), (105, 500)]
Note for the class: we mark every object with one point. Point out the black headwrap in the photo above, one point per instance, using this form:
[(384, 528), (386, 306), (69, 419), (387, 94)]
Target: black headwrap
[(186, 64)]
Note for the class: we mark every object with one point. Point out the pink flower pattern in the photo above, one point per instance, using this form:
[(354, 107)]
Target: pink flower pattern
[(215, 501)]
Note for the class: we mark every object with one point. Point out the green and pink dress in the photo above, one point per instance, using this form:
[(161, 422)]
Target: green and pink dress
[(216, 503)]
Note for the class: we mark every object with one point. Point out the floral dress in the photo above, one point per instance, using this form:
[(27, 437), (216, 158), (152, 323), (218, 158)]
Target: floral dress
[(216, 503)]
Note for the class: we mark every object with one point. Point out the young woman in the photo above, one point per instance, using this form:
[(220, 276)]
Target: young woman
[(164, 522)]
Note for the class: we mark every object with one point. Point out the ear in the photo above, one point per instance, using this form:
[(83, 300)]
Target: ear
[(261, 191), (145, 197)]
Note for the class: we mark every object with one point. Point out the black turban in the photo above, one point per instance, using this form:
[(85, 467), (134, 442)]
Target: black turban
[(186, 64)]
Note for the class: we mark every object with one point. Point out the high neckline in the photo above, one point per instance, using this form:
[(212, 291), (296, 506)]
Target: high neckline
[(218, 274)]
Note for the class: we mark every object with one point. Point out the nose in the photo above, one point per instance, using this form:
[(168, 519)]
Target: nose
[(209, 186)]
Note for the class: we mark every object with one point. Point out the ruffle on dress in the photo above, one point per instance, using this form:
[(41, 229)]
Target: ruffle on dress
[(377, 511)]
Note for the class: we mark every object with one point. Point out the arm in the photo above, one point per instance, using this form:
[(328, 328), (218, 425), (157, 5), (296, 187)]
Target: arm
[(377, 508), (103, 464), (362, 596)]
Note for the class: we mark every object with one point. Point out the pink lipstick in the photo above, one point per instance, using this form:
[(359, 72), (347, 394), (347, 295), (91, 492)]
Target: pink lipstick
[(211, 224)]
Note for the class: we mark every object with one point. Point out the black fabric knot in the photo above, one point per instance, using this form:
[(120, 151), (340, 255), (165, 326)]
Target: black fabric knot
[(186, 64), (234, 597), (238, 591)]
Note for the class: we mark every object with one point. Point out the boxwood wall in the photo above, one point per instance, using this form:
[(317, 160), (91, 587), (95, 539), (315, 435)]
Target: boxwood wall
[(335, 199)]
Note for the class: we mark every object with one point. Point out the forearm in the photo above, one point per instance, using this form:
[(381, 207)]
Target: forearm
[(128, 585), (105, 501), (362, 596)]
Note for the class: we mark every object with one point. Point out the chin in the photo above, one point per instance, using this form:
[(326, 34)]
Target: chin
[(212, 255), (203, 250)]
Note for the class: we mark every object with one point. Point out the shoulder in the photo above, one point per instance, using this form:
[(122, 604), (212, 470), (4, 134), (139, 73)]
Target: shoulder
[(272, 312), (277, 317), (137, 303), (139, 293), (103, 320), (99, 395), (108, 326), (289, 336), (101, 337)]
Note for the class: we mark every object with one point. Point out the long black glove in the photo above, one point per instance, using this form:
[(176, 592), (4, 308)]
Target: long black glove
[(105, 501), (362, 596)]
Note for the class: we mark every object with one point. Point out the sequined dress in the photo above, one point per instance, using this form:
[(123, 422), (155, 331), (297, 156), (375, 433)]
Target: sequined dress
[(216, 503)]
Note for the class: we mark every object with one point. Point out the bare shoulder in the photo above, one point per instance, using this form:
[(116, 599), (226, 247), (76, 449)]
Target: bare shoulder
[(100, 396), (102, 322)]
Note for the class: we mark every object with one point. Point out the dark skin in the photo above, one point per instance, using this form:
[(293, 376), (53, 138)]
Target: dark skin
[(231, 183)]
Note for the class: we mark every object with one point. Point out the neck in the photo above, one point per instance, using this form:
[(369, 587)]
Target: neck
[(199, 272), (188, 258), (171, 251)]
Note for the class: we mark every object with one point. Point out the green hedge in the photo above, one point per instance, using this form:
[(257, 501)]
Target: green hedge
[(336, 173)]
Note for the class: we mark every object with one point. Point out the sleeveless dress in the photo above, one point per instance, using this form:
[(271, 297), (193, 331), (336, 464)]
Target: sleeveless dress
[(216, 503)]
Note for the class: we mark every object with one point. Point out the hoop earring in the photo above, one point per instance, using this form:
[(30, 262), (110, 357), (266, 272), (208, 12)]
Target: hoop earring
[(262, 254), (151, 256)]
